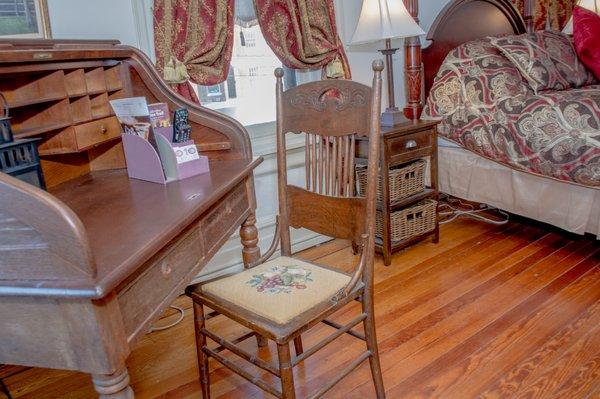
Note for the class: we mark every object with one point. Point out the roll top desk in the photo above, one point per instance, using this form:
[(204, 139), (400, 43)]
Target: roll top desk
[(88, 266)]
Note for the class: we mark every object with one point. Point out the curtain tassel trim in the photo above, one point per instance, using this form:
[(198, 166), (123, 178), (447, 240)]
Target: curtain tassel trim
[(335, 69), (175, 72)]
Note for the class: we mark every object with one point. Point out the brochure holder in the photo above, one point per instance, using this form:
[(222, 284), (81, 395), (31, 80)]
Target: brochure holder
[(145, 163)]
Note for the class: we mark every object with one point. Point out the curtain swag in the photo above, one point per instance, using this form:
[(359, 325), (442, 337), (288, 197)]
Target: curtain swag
[(303, 35), (193, 41)]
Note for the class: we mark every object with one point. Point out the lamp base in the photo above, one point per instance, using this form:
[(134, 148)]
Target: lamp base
[(392, 117)]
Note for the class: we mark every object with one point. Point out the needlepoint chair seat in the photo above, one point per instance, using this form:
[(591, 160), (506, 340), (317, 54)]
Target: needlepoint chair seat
[(282, 307), (280, 289)]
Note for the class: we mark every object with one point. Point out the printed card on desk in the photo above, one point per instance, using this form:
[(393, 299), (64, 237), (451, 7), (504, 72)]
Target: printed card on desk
[(186, 153), (159, 115), (134, 116), (160, 119)]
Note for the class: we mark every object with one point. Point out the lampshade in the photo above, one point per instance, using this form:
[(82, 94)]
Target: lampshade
[(593, 5), (384, 19)]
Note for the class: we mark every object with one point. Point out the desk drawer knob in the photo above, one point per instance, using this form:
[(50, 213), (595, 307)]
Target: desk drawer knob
[(410, 144), (165, 268), (103, 129)]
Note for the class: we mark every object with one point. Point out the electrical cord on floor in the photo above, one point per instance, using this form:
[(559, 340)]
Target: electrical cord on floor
[(179, 320), (471, 212)]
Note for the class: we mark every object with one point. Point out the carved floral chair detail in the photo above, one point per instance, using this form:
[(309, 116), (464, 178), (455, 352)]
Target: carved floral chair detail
[(279, 299)]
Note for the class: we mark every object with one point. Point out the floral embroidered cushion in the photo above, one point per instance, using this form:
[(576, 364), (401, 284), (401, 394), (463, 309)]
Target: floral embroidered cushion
[(279, 289), (546, 59), (586, 35)]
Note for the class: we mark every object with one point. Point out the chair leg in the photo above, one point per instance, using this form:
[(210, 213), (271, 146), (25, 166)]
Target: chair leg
[(200, 345), (355, 248), (371, 337), (4, 389), (286, 371), (298, 348), (261, 341)]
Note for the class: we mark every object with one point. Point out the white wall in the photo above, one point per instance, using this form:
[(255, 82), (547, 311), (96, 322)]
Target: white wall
[(361, 57), (129, 21)]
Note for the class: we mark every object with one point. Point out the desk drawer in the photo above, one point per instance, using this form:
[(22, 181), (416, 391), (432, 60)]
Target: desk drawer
[(219, 220), (97, 132), (142, 298), (145, 296), (410, 146)]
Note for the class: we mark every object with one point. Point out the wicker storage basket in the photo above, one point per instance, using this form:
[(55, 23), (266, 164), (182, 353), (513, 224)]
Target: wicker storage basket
[(410, 222), (405, 180)]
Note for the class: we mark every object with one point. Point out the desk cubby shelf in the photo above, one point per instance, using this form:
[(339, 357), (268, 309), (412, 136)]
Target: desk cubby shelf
[(76, 99)]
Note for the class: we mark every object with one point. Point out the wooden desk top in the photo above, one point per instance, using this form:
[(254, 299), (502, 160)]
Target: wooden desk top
[(128, 220)]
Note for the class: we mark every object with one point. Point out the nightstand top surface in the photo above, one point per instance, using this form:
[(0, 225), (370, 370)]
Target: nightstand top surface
[(409, 127)]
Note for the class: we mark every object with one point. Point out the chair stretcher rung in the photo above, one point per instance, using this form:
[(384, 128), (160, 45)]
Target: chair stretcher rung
[(342, 374), (212, 314), (240, 352), (236, 341), (334, 324), (342, 330), (242, 373)]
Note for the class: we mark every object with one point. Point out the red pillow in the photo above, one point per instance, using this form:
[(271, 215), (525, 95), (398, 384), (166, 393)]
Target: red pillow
[(586, 31)]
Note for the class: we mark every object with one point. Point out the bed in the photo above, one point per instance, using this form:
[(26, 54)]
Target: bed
[(511, 176)]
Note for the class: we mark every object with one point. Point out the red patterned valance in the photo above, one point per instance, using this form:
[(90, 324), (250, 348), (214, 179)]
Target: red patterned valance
[(552, 13)]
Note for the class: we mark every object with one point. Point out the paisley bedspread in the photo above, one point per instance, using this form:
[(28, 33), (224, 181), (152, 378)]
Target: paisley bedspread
[(487, 107)]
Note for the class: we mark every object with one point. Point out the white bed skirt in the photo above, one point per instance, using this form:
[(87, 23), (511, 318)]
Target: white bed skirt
[(469, 176)]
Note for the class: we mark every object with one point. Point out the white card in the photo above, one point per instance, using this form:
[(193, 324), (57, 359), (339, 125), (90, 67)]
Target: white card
[(186, 153)]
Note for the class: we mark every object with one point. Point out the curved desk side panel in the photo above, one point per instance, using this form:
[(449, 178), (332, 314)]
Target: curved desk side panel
[(41, 240)]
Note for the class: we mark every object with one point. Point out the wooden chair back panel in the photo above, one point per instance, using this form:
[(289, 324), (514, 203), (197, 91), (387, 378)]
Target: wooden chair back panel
[(330, 164), (331, 216), (328, 108), (331, 113)]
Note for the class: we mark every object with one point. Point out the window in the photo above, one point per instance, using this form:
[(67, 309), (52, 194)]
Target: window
[(248, 95), (24, 18)]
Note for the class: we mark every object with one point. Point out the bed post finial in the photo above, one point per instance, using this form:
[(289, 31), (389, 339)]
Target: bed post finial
[(413, 68)]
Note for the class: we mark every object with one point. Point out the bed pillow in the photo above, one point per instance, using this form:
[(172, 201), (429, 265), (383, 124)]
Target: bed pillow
[(546, 59), (473, 75), (586, 32)]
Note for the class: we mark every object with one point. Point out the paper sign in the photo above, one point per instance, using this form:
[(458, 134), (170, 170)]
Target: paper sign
[(186, 153), (133, 115)]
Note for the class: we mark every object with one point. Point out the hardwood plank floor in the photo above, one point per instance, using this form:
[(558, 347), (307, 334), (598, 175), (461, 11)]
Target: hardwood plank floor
[(491, 311)]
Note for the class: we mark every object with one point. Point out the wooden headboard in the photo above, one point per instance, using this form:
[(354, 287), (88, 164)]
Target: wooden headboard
[(462, 21), (459, 22)]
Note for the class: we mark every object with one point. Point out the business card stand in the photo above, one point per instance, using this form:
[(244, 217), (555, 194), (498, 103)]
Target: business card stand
[(145, 163)]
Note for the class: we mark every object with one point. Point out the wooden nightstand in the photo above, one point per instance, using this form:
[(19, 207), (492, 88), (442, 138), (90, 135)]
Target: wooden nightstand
[(402, 144)]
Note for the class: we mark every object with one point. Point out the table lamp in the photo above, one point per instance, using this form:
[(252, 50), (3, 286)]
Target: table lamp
[(593, 5), (386, 20)]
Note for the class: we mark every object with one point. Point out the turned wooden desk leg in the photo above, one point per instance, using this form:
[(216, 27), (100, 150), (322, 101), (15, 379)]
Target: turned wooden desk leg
[(113, 386), (251, 253), (249, 237)]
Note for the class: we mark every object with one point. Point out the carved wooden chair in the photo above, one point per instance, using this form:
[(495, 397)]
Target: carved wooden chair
[(280, 299)]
